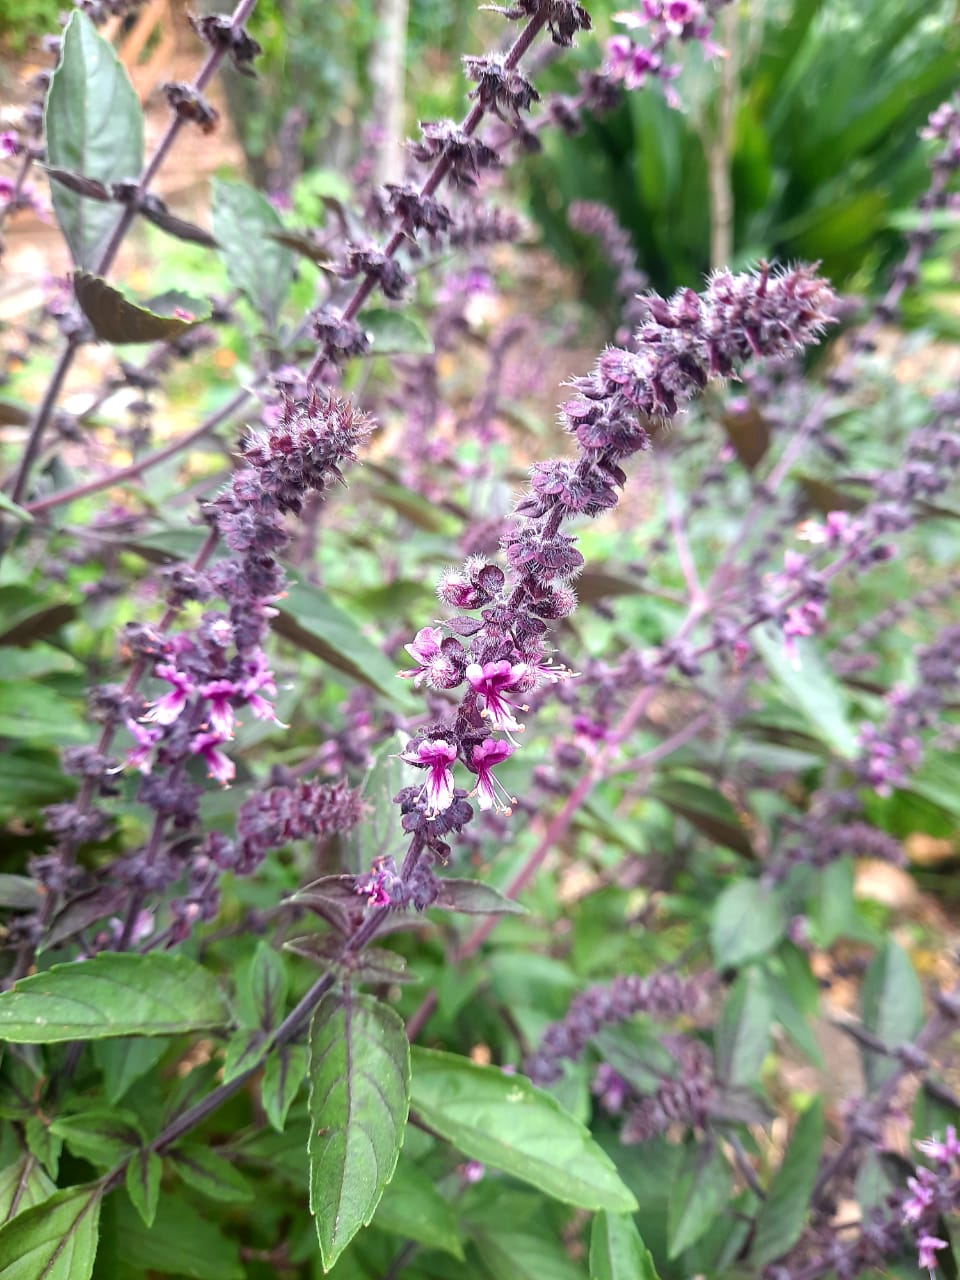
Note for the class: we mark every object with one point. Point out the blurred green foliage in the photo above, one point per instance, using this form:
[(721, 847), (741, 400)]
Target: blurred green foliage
[(25, 20), (827, 101)]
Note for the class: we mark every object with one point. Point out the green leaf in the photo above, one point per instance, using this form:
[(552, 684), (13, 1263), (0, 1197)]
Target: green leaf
[(42, 1144), (22, 1185), (474, 898), (180, 1243), (114, 318), (257, 265), (395, 333), (210, 1174), (268, 985), (634, 1051), (123, 1062), (359, 1096), (309, 619), (55, 1240), (282, 1078), (99, 1134), (784, 1212), (699, 1194), (143, 1184), (26, 615), (20, 893), (705, 808), (38, 712), (892, 1007), (616, 1250), (520, 1255), (93, 126), (113, 994), (743, 1032), (747, 920), (504, 1121), (244, 1050), (811, 689), (414, 1209)]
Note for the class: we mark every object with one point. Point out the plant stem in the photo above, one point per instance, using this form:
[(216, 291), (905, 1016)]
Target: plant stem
[(134, 469), (436, 176), (289, 1029)]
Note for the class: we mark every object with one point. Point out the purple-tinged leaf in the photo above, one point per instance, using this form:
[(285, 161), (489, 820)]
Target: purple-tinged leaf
[(359, 1097), (473, 897), (268, 985), (303, 243), (20, 893), (94, 127), (55, 1240), (102, 1135), (143, 1184), (211, 1175), (243, 1052), (22, 1185), (42, 1144), (76, 182), (81, 912), (179, 228), (282, 1078), (115, 318)]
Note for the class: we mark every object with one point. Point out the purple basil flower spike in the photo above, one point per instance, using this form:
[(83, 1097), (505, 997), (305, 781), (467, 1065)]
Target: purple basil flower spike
[(490, 793), (436, 755)]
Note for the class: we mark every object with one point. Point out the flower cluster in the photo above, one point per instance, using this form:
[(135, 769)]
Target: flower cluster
[(933, 1193), (632, 59), (891, 750), (663, 996), (501, 657)]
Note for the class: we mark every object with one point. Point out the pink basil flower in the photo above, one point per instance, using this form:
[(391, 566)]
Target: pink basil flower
[(219, 765), (166, 709), (423, 649), (492, 682), (436, 755), (490, 793)]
